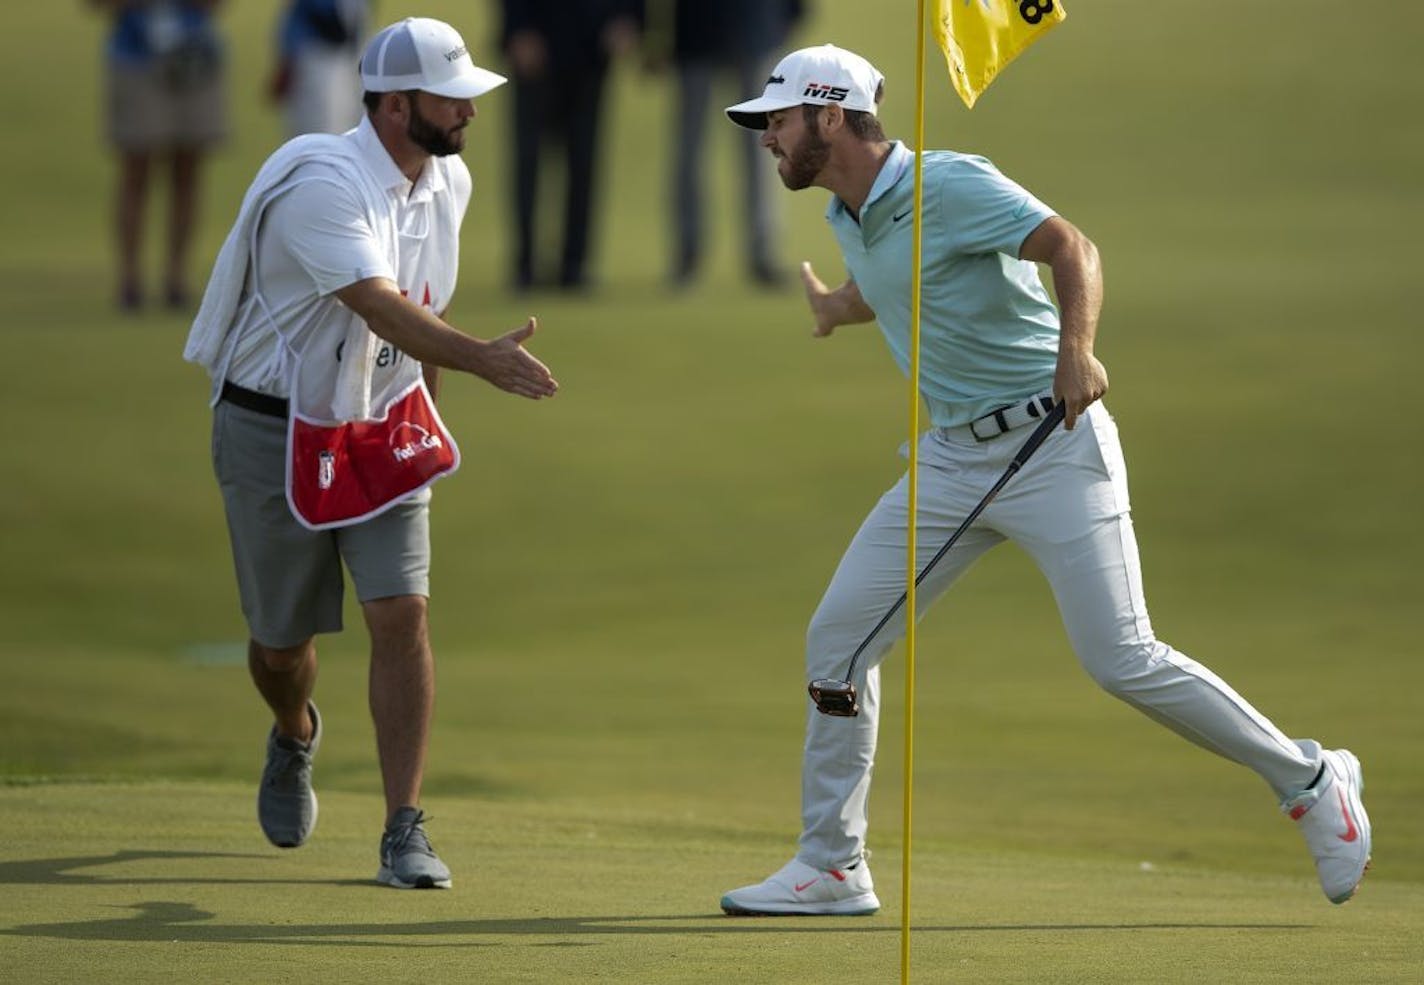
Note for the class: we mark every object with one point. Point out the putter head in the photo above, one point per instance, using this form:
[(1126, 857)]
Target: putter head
[(834, 697)]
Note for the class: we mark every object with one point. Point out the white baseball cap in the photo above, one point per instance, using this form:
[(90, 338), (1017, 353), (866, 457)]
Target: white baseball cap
[(821, 76), (425, 54)]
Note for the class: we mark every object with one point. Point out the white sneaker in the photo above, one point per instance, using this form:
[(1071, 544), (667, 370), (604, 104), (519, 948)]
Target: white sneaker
[(1332, 818), (797, 889)]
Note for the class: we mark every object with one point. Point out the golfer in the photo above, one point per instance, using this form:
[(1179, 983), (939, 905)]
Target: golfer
[(996, 356), (322, 330)]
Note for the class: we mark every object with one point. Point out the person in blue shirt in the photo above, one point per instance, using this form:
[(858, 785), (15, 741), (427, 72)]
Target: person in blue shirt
[(318, 45), (166, 109), (996, 355)]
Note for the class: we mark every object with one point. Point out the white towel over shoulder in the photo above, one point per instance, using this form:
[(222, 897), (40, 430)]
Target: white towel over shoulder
[(210, 340)]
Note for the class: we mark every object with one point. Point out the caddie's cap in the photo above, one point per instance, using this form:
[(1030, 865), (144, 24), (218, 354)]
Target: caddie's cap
[(820, 75), (425, 54)]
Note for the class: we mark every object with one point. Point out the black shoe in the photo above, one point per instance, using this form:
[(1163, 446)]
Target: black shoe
[(130, 299), (766, 274), (684, 273), (177, 298)]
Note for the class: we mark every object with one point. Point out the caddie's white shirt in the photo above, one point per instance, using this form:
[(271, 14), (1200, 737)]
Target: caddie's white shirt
[(316, 239)]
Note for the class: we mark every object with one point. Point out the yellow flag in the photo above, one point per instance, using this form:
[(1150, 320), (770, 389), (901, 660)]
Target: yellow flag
[(980, 37)]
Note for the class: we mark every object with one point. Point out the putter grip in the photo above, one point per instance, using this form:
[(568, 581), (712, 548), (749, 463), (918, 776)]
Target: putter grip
[(1044, 429)]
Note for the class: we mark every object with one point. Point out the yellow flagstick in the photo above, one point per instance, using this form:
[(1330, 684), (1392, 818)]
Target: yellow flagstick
[(988, 40), (913, 494)]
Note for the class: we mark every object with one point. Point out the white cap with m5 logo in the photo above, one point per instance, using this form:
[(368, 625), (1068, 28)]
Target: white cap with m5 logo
[(425, 54), (821, 75)]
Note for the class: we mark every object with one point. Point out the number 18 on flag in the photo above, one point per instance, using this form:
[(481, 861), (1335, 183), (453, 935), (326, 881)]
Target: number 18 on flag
[(980, 37)]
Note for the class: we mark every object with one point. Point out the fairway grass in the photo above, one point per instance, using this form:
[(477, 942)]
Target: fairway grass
[(171, 882)]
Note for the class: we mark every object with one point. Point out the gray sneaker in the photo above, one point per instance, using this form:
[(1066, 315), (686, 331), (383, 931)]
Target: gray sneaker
[(286, 803), (407, 860)]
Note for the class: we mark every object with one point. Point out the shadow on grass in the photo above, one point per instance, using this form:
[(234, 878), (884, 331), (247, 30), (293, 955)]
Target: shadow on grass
[(60, 871), (169, 921)]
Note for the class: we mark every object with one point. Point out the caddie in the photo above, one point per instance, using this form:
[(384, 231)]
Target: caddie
[(322, 328)]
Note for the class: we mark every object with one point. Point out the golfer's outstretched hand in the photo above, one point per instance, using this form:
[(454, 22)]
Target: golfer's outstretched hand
[(818, 296), (511, 367), (831, 308)]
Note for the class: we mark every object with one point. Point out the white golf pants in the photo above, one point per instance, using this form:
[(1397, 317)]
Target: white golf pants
[(1068, 508)]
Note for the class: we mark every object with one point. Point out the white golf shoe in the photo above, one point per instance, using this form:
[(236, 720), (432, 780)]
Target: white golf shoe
[(1332, 818), (798, 889)]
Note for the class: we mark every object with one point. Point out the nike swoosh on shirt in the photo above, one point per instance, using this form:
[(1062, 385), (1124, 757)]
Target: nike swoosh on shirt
[(897, 218)]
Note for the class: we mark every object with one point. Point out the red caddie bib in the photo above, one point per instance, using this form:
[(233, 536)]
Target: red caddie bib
[(343, 472)]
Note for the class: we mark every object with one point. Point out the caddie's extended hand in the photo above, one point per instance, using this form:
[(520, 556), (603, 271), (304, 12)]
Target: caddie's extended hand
[(1079, 380), (419, 333), (511, 367), (831, 308)]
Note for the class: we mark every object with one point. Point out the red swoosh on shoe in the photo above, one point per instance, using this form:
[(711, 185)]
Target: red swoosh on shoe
[(807, 885), (1351, 833)]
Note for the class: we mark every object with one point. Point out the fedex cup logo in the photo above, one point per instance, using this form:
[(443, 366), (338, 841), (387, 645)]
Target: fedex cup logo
[(409, 440), (325, 469)]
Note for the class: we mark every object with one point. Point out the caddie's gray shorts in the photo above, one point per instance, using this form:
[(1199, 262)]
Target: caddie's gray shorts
[(289, 578)]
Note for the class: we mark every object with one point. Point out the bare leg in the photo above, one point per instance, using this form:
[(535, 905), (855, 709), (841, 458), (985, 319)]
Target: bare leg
[(129, 213), (402, 693), (181, 220), (285, 679)]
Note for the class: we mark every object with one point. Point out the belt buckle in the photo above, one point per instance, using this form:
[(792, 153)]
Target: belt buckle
[(997, 418)]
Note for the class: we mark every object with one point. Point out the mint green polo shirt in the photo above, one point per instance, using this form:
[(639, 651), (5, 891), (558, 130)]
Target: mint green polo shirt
[(988, 330)]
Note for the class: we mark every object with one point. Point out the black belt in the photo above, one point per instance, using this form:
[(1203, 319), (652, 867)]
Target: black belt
[(261, 403)]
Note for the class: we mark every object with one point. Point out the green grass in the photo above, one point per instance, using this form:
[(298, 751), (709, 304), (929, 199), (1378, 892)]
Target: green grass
[(622, 575), (564, 891)]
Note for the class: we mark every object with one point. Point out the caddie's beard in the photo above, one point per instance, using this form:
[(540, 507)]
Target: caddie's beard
[(806, 160), (430, 138)]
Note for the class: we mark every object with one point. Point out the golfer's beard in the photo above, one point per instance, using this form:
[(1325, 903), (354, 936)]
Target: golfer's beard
[(430, 138), (805, 161)]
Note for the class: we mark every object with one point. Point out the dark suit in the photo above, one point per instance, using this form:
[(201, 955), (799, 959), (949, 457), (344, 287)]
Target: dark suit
[(741, 39), (561, 104)]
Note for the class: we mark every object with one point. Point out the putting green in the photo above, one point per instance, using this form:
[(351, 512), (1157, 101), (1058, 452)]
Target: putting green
[(622, 575)]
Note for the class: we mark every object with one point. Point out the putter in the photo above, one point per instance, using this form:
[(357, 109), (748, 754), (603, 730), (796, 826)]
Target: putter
[(837, 697)]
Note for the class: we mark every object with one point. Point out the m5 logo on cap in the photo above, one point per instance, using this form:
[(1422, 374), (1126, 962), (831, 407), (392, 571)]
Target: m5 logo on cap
[(818, 90)]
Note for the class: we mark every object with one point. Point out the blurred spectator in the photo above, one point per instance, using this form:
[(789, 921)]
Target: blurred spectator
[(319, 44), (736, 41), (559, 52), (165, 109)]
